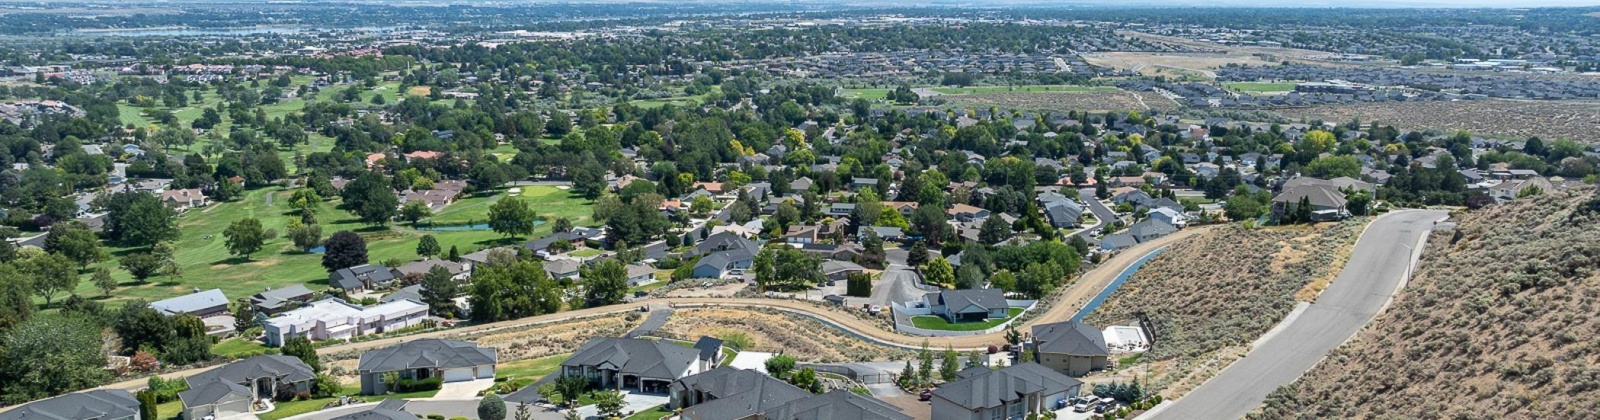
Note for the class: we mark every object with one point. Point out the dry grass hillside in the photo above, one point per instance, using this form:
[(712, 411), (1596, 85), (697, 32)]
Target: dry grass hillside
[(1211, 295), (1499, 322)]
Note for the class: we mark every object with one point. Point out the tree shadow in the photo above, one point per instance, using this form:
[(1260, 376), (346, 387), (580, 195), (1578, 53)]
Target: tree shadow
[(500, 242), (235, 260)]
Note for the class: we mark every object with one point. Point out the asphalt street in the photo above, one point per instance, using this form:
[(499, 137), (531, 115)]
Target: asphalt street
[(1101, 212), (1373, 274)]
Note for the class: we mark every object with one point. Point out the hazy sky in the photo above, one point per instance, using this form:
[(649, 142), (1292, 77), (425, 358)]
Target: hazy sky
[(1363, 3)]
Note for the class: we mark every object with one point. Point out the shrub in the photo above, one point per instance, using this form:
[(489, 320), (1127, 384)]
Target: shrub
[(435, 417), (413, 385), (302, 395)]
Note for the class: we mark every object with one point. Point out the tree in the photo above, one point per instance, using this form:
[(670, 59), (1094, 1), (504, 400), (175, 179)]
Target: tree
[(571, 387), (141, 265), (561, 225), (305, 236), (780, 365), (994, 230), (948, 365), (924, 364), (858, 285), (428, 246), (1329, 167), (608, 403), (51, 274), (301, 348), (51, 354), (74, 240), (103, 281), (510, 290), (806, 379), (147, 403), (511, 217), (939, 272), (439, 291), (305, 199), (589, 179), (371, 198), (139, 219), (918, 255), (166, 255), (245, 237), (1013, 337), (414, 211), (344, 250), (605, 283), (523, 412), (492, 407), (244, 316), (908, 375)]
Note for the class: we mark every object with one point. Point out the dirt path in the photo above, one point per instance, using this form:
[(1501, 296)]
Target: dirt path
[(1082, 290)]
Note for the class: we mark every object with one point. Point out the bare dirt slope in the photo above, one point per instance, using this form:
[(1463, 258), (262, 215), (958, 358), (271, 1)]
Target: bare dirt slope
[(1576, 120), (1209, 297), (1498, 322)]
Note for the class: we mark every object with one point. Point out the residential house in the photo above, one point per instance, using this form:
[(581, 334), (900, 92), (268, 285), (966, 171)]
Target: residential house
[(711, 354), (1117, 241), (200, 304), (731, 393), (1170, 216), (1063, 213), (100, 404), (640, 274), (1014, 392), (721, 263), (801, 234), (457, 270), (886, 233), (632, 363), (836, 270), (800, 184), (840, 209), (563, 268), (230, 389), (967, 213), (859, 183), (449, 360), (1072, 348), (726, 241), (333, 319), (968, 305), (363, 277), (1149, 229), (184, 199), (273, 301), (1325, 197)]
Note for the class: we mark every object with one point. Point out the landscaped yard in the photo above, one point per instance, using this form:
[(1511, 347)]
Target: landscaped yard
[(524, 372), (935, 322), (235, 347), (655, 413)]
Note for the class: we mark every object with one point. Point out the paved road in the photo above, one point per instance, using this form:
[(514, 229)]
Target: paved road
[(1101, 212), (899, 284), (657, 319), (1382, 256)]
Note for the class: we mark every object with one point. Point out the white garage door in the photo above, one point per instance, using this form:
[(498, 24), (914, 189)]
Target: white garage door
[(453, 375), (486, 372)]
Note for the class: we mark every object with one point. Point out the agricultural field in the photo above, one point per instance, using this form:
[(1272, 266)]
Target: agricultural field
[(1575, 120), (1213, 294)]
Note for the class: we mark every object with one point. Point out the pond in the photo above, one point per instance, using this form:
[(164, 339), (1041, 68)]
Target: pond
[(1112, 288)]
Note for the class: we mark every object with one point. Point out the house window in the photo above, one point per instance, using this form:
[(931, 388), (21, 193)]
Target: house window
[(997, 413), (1015, 409)]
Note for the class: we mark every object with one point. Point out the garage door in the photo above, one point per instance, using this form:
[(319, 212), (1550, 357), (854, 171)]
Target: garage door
[(486, 372), (453, 375)]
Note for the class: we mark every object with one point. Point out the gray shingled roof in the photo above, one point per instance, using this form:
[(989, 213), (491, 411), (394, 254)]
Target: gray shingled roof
[(284, 368), (191, 303), (739, 393), (1070, 338), (275, 298), (708, 347), (838, 404), (984, 388), (211, 391), (354, 277), (427, 353), (634, 356), (109, 404), (984, 298)]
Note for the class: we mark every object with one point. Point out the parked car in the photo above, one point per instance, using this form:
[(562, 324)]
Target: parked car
[(926, 394), (1084, 405)]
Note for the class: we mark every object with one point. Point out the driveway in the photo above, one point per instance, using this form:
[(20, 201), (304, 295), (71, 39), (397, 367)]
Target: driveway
[(1382, 258), (899, 285), (631, 402), (464, 390)]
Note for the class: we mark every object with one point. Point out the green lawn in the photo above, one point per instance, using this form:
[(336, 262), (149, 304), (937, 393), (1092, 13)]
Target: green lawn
[(207, 264), (472, 209), (1023, 88), (654, 413), (868, 94), (1254, 87), (238, 347), (530, 369), (935, 322), (551, 203)]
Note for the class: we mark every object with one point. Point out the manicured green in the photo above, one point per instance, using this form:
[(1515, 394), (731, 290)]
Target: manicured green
[(935, 322), (238, 347), (868, 94)]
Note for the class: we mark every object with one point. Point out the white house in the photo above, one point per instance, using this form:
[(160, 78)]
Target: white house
[(334, 319)]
